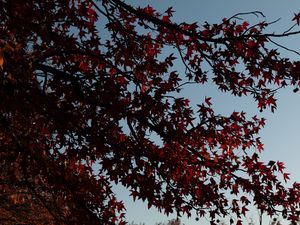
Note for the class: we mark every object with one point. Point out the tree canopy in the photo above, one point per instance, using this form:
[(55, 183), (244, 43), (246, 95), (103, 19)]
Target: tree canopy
[(85, 85)]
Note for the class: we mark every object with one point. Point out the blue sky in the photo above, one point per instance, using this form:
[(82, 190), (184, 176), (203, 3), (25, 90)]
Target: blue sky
[(281, 136)]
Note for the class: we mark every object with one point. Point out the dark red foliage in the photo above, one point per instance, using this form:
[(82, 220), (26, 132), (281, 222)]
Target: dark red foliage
[(84, 86)]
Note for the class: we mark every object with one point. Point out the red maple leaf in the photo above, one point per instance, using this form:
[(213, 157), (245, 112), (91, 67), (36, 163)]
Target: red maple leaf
[(297, 18), (286, 176)]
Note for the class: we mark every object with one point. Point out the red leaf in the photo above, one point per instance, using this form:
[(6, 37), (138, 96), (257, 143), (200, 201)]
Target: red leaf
[(245, 24), (121, 80), (112, 72), (286, 176), (239, 222), (280, 166), (207, 101), (296, 18), (84, 66), (260, 147)]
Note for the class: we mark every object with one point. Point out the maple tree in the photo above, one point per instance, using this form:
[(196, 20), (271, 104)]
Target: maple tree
[(86, 84)]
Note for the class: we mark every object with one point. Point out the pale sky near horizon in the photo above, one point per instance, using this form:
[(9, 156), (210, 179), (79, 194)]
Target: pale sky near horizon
[(281, 136)]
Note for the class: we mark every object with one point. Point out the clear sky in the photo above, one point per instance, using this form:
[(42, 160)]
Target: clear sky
[(281, 136)]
